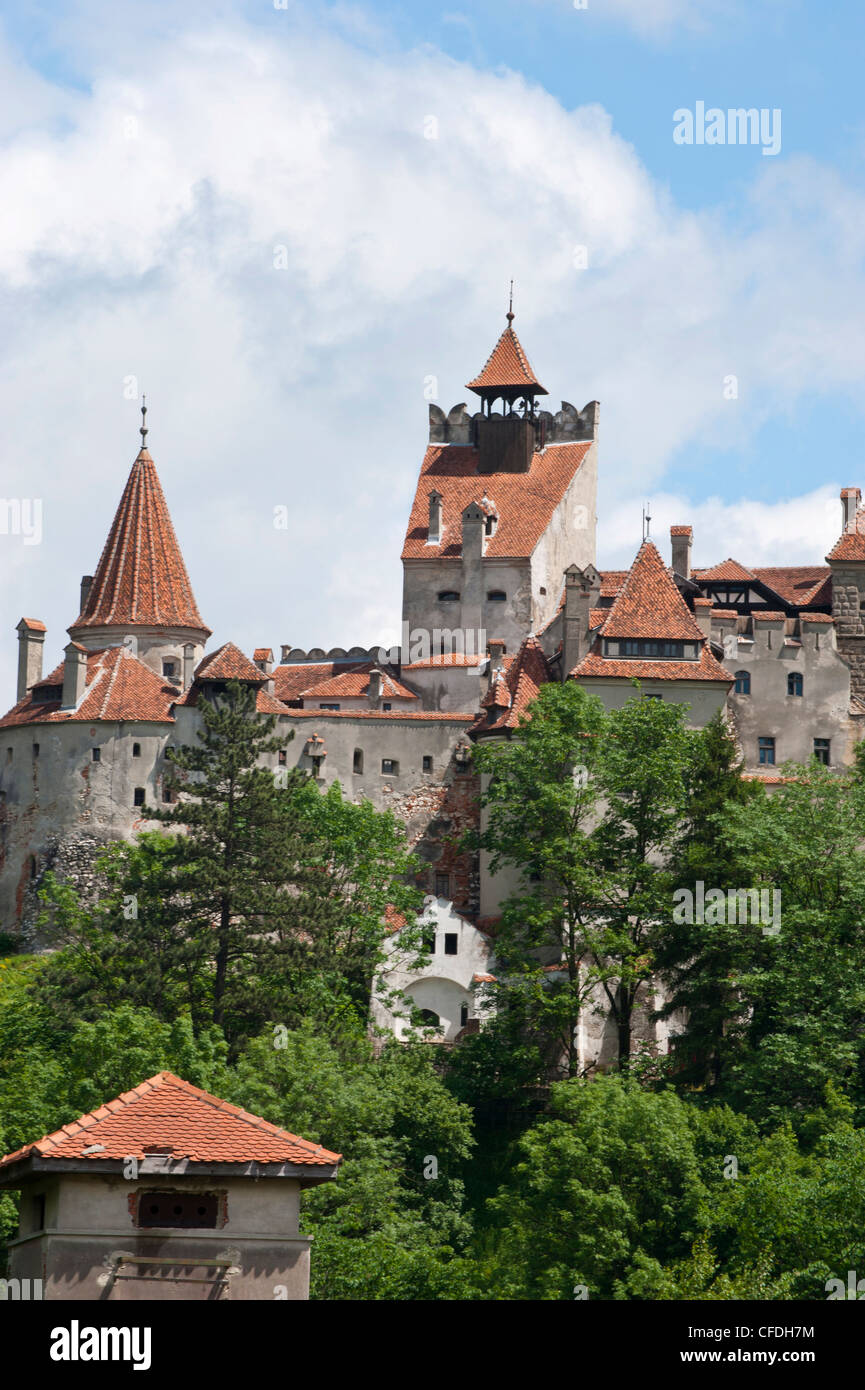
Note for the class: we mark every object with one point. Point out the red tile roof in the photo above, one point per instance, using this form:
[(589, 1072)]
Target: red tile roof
[(768, 617), (681, 531), (525, 502), (612, 668), (262, 654), (446, 659), (816, 618), (649, 604), (612, 581), (796, 584), (851, 543), (507, 365), (728, 569), (34, 624), (513, 690), (228, 663), (165, 1112), (355, 684), (141, 578), (118, 687), (394, 715)]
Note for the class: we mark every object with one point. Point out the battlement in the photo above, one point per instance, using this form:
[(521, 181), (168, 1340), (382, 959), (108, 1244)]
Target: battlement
[(294, 656), (567, 426)]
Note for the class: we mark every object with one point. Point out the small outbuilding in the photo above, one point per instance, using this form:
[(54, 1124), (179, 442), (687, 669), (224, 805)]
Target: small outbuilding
[(166, 1192)]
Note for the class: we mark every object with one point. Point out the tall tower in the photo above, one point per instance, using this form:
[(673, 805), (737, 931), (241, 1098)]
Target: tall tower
[(141, 596), (505, 502)]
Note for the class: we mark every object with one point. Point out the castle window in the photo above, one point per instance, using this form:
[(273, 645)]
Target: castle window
[(442, 885), (138, 796), (390, 767), (316, 761), (743, 682), (136, 750), (427, 764), (36, 750), (656, 649), (37, 1211), (821, 750), (449, 596), (328, 706), (387, 707), (766, 747), (96, 754), (429, 941), (167, 791), (430, 1019), (497, 596), (33, 867), (451, 943), (794, 683), (464, 1015), (188, 1209), (282, 757), (543, 591), (169, 670), (357, 764), (9, 755), (649, 695)]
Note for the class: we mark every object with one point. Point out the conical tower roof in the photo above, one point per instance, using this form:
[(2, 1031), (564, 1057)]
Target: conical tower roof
[(507, 368), (141, 580)]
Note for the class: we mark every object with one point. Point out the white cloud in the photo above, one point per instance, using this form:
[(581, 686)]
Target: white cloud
[(147, 214)]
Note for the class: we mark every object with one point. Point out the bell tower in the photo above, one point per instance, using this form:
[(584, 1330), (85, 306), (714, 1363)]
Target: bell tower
[(506, 440)]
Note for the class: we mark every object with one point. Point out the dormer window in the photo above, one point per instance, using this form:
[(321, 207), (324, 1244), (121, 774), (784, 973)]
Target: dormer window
[(651, 649), (449, 596)]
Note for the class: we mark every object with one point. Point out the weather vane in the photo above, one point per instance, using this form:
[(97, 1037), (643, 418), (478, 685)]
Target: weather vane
[(647, 522), (510, 313), (143, 428)]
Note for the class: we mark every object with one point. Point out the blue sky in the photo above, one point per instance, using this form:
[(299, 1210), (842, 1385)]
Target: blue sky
[(240, 210)]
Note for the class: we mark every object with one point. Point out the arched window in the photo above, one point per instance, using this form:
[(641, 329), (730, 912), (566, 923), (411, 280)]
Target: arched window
[(794, 683), (449, 596), (464, 1015), (743, 682), (429, 1019)]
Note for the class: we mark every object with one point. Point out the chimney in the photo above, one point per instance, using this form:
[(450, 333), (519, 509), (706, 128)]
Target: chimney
[(582, 592), (188, 664), (474, 522), (850, 500), (74, 675), (373, 693), (496, 649), (31, 640), (435, 518), (86, 581), (703, 616), (284, 650), (680, 540)]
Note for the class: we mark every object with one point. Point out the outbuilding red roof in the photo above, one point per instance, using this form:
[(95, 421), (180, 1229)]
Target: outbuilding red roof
[(167, 1114), (649, 604), (141, 579), (512, 690)]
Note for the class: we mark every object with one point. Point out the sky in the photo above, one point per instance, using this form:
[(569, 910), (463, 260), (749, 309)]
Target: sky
[(292, 224)]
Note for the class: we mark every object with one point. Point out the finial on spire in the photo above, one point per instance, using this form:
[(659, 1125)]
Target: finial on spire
[(143, 428), (647, 522), (510, 314)]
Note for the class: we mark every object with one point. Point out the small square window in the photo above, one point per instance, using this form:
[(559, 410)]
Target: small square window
[(766, 747), (136, 750), (389, 767), (282, 757), (169, 670), (138, 797), (442, 885), (427, 763), (451, 943), (96, 754), (384, 706)]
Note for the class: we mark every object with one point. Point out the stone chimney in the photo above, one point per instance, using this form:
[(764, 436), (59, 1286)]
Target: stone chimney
[(496, 649), (373, 693), (188, 664), (851, 497), (680, 540), (435, 518), (474, 522), (74, 675), (31, 640), (86, 581), (703, 616), (582, 594), (285, 648)]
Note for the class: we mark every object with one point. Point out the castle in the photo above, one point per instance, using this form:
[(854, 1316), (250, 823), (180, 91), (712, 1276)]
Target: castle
[(500, 594)]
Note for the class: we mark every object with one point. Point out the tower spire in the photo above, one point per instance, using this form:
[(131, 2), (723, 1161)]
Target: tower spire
[(143, 427)]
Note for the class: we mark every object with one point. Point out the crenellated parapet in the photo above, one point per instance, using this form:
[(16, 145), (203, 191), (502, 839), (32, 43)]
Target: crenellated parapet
[(566, 426)]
